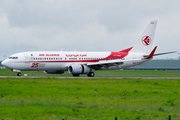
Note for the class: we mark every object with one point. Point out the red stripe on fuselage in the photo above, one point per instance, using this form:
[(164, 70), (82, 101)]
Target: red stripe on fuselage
[(120, 54), (59, 61), (63, 61)]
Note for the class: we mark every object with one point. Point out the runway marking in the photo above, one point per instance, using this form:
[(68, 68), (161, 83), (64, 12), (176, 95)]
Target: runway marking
[(88, 77)]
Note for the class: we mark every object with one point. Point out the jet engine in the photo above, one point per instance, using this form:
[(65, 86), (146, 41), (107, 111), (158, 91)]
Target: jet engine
[(53, 72), (79, 69)]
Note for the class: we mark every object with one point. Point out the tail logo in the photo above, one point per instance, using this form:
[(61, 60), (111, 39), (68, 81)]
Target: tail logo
[(146, 40)]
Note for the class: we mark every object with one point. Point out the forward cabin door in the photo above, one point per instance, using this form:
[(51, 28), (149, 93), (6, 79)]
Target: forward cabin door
[(27, 58)]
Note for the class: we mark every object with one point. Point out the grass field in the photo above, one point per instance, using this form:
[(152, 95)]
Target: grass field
[(109, 73), (89, 99)]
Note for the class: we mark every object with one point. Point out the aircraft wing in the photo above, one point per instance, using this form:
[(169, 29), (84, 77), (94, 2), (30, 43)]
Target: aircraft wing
[(105, 64)]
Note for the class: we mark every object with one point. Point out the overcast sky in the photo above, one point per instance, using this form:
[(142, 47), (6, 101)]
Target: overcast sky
[(86, 25)]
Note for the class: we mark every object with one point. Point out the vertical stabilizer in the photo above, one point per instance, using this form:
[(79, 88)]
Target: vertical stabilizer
[(144, 43)]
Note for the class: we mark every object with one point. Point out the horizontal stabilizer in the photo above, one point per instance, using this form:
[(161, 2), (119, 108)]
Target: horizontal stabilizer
[(164, 53), (161, 54)]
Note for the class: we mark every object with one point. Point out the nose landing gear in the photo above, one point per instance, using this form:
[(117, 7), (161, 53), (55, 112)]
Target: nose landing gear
[(18, 74), (18, 71)]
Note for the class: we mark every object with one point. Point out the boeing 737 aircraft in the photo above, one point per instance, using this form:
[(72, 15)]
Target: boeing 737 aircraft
[(76, 63)]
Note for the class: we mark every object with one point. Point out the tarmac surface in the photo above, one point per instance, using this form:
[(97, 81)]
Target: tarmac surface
[(89, 77)]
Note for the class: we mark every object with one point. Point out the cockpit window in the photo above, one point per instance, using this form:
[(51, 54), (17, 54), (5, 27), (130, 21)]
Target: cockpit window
[(13, 57)]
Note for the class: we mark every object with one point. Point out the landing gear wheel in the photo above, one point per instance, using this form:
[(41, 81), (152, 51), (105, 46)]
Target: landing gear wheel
[(75, 75), (18, 74), (91, 74)]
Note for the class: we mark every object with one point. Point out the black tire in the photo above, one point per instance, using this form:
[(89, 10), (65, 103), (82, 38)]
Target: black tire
[(18, 74), (91, 74), (75, 75)]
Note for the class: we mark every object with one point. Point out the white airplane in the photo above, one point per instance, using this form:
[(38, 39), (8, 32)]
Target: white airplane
[(76, 63)]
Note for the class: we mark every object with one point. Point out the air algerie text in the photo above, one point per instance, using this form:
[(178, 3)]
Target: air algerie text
[(77, 55), (49, 55)]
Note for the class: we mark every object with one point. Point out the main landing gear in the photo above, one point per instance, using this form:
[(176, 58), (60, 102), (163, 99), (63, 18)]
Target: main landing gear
[(18, 74), (91, 74)]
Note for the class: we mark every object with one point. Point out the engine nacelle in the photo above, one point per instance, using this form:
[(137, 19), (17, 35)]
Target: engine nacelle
[(79, 69), (53, 72)]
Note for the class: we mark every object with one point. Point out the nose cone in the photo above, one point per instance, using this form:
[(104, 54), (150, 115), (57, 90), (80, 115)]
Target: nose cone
[(4, 63)]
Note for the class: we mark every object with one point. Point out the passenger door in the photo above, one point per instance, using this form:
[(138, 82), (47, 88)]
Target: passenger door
[(27, 58)]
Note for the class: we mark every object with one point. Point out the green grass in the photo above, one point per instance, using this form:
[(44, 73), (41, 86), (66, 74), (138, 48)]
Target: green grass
[(89, 99), (105, 73)]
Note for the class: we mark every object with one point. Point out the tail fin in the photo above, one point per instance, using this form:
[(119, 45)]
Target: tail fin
[(144, 43)]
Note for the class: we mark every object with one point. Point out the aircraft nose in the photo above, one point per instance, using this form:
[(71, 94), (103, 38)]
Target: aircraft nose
[(4, 63)]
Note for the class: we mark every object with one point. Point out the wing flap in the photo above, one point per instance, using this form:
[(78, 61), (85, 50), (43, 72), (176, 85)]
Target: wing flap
[(105, 64)]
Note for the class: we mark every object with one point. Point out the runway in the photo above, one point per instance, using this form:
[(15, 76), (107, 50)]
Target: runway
[(88, 77)]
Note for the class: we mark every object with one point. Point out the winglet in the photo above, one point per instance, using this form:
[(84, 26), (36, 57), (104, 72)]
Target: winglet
[(151, 54)]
